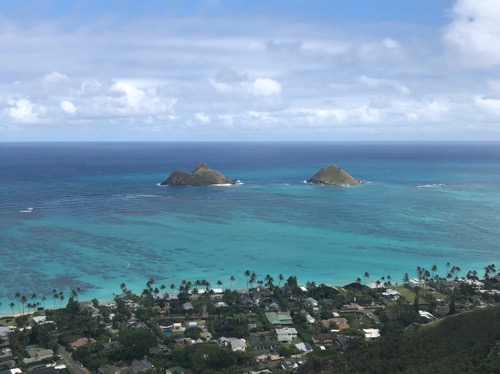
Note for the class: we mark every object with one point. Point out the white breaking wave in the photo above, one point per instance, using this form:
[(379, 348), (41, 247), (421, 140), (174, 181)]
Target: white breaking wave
[(435, 185), (27, 210)]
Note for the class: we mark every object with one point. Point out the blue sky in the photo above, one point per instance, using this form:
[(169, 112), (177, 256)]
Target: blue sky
[(250, 70)]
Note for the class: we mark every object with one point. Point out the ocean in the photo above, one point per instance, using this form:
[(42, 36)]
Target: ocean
[(92, 215)]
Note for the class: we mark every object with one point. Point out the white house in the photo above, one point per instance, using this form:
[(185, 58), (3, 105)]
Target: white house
[(234, 343), (310, 319), (287, 334)]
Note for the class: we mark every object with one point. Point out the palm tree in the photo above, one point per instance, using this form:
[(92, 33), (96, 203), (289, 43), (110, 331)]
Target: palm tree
[(219, 283), (43, 301), (61, 298), (231, 279), (434, 268), (172, 287), (269, 281), (24, 299), (12, 305), (366, 276), (247, 275), (252, 279), (18, 296), (280, 278)]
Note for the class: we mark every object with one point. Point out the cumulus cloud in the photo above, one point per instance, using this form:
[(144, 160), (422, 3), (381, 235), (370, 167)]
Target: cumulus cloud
[(390, 43), (377, 83), (475, 32), (55, 78), (264, 87), (227, 119), (24, 111), (202, 118), (130, 100), (380, 49), (489, 105), (68, 107)]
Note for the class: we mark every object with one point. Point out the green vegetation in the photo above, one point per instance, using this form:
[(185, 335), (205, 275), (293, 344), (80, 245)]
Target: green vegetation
[(202, 175), (333, 175)]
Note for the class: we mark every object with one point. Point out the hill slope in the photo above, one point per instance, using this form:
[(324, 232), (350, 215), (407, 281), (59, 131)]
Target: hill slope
[(202, 175), (333, 175), (465, 343)]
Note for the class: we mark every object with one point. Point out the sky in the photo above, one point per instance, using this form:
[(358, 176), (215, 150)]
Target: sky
[(249, 70)]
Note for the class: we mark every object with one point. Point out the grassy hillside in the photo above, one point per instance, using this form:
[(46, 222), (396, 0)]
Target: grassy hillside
[(466, 343)]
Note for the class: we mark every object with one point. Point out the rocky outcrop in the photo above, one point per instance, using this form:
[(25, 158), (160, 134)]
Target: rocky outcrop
[(202, 175), (333, 175)]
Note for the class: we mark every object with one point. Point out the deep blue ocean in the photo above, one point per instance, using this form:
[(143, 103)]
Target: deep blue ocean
[(92, 215)]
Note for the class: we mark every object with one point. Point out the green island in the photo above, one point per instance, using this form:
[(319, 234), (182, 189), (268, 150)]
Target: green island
[(332, 175), (426, 324), (202, 175)]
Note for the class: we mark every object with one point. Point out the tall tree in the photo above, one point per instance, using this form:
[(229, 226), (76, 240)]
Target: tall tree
[(366, 276), (231, 279), (12, 305), (280, 279), (24, 299)]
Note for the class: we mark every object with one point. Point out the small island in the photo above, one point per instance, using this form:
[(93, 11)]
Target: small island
[(334, 176), (202, 175)]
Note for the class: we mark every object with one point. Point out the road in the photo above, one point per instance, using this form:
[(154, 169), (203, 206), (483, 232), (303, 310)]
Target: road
[(77, 368)]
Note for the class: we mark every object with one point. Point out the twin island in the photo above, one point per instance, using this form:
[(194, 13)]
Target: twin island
[(202, 175)]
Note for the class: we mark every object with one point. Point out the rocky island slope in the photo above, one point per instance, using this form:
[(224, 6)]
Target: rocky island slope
[(202, 175), (334, 176)]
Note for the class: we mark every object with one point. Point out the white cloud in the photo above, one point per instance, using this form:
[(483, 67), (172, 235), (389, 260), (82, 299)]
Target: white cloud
[(24, 111), (490, 106), (475, 32), (129, 100), (264, 87), (68, 107), (202, 118), (390, 43), (377, 83), (55, 78), (221, 87), (227, 119)]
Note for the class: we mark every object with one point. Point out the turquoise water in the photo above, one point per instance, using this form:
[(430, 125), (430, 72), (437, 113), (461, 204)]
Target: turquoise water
[(97, 207)]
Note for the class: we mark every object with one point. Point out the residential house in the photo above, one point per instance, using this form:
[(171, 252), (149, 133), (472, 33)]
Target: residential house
[(286, 335), (5, 330), (38, 354), (138, 366), (81, 342), (86, 306), (339, 321), (279, 319), (313, 302), (246, 300), (187, 306), (262, 343), (108, 303), (310, 319), (371, 334), (391, 294), (234, 343), (304, 347), (322, 339)]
